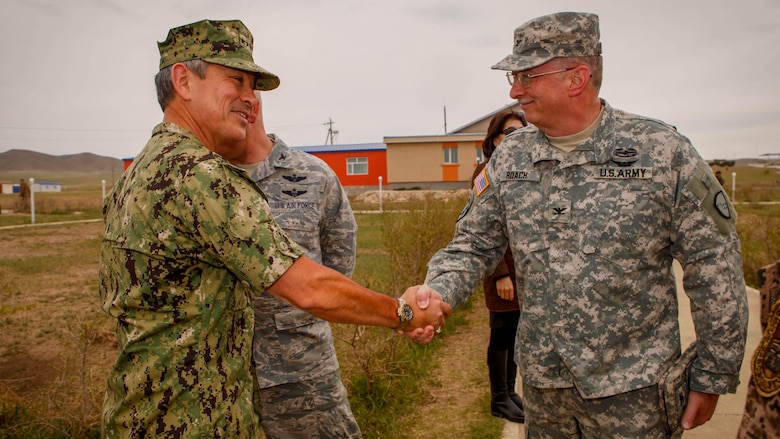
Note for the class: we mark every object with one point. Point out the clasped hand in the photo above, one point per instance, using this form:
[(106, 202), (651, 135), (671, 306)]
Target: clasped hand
[(430, 313)]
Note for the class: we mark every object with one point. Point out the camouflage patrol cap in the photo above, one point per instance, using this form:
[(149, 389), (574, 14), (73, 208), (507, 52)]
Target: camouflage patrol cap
[(227, 43), (565, 34)]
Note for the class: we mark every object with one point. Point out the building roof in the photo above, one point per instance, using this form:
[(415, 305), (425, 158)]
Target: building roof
[(515, 106), (451, 137), (342, 148)]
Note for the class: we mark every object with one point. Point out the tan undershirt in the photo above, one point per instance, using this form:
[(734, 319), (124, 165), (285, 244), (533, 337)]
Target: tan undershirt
[(567, 144)]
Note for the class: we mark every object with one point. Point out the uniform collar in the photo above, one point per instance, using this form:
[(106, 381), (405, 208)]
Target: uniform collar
[(280, 155), (597, 149)]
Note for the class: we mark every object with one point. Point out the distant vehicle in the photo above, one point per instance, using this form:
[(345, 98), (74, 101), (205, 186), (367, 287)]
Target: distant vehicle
[(722, 163)]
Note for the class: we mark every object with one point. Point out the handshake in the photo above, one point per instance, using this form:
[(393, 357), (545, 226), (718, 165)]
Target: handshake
[(422, 312)]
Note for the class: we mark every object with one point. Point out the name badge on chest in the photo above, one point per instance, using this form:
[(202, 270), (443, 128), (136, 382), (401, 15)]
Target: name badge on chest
[(517, 175)]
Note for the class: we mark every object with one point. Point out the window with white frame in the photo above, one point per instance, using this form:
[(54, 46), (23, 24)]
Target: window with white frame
[(480, 155), (450, 156), (357, 165)]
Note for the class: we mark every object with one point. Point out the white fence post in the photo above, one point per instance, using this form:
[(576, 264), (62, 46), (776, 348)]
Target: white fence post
[(380, 193), (32, 200)]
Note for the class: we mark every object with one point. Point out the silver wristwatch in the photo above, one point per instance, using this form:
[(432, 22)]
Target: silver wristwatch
[(405, 313)]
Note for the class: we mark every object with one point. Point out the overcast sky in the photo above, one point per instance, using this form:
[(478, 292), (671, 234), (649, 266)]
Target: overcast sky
[(77, 75)]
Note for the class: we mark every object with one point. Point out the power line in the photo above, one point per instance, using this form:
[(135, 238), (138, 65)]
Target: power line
[(110, 130)]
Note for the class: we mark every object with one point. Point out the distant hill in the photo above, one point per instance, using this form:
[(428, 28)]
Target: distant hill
[(23, 160)]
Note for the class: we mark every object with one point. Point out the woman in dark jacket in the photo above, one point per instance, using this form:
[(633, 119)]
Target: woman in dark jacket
[(501, 298)]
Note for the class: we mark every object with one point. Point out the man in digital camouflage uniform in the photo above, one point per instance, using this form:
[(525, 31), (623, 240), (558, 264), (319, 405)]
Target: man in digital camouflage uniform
[(596, 203), (189, 239), (301, 394)]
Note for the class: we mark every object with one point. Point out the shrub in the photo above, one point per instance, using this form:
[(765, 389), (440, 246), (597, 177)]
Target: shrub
[(760, 238), (385, 373)]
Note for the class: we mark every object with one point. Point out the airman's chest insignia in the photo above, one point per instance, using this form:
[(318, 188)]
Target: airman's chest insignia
[(295, 178), (294, 192)]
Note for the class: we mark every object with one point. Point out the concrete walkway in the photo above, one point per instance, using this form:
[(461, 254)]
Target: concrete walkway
[(728, 415)]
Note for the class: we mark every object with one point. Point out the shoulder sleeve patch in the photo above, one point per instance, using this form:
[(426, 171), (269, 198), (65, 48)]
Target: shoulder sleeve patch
[(481, 182), (705, 187)]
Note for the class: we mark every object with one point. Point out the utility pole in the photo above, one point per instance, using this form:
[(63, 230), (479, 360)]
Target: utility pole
[(445, 119), (332, 134)]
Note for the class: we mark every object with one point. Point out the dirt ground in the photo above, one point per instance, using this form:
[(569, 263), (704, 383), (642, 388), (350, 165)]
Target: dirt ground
[(464, 377)]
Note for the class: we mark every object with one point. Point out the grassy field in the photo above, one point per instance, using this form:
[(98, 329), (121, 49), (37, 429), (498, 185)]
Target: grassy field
[(56, 345)]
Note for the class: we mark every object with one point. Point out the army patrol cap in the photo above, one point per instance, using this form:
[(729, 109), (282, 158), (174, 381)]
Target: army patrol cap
[(227, 43), (565, 34)]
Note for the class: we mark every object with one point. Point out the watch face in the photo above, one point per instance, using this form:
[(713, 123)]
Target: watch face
[(407, 314)]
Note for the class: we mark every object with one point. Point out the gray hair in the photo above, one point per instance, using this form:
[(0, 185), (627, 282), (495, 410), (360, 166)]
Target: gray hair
[(164, 84), (595, 64)]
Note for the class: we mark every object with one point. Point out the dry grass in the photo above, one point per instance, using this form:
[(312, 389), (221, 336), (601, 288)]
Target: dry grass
[(55, 344)]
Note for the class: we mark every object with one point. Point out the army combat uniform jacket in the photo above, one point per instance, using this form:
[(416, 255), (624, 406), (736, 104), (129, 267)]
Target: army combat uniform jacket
[(309, 203), (187, 235), (594, 234)]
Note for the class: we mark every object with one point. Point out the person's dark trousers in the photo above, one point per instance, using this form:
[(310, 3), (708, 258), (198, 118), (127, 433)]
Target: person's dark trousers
[(501, 404)]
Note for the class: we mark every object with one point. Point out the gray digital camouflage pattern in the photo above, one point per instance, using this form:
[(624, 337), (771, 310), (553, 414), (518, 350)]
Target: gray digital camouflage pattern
[(290, 345), (564, 34), (594, 234), (563, 414), (186, 236)]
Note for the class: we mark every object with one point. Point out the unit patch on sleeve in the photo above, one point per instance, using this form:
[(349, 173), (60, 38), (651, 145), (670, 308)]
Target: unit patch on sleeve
[(722, 205)]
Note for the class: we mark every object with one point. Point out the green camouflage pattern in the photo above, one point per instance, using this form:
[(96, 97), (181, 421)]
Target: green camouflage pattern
[(188, 240), (291, 345), (594, 234), (565, 34), (227, 43)]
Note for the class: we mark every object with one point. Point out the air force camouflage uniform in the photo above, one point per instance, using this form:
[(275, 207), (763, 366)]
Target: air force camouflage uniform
[(301, 393), (186, 234), (594, 234)]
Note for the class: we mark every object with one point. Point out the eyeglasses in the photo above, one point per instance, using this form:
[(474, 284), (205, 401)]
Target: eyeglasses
[(508, 130), (525, 79)]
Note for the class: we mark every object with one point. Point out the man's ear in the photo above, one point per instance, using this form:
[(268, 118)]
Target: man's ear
[(180, 76), (579, 80)]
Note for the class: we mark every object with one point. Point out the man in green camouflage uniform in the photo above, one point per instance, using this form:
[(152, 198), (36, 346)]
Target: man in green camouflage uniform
[(301, 394), (595, 204), (189, 239)]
